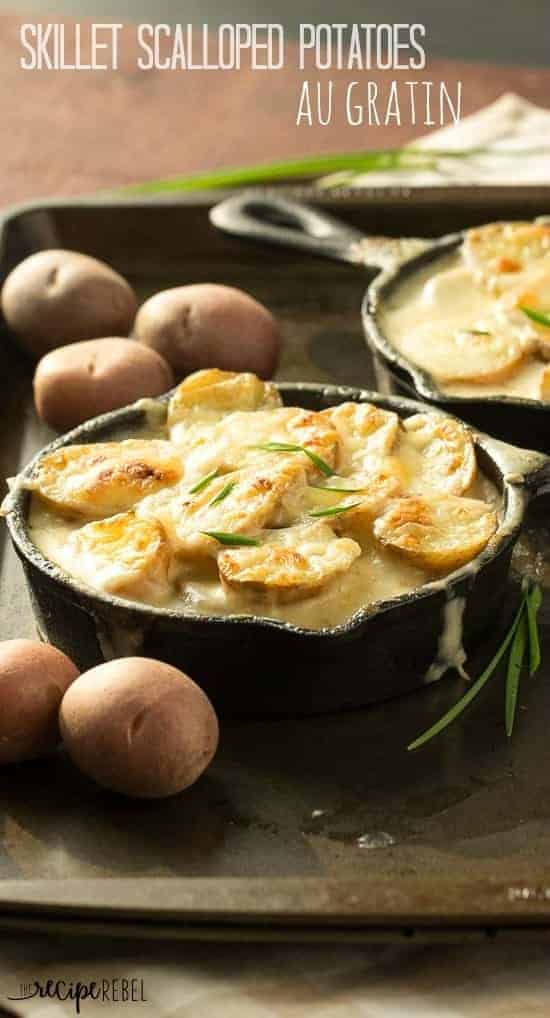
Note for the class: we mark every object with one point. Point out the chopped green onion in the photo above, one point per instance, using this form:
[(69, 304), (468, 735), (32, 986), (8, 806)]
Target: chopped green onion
[(334, 510), (321, 464), (203, 483), (329, 487), (232, 540), (223, 493), (540, 317)]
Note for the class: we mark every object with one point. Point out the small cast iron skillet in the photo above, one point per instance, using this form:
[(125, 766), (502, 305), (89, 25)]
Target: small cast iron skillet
[(257, 666), (524, 422)]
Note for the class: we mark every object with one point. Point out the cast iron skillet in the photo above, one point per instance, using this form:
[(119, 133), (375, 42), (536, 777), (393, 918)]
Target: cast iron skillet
[(524, 422), (265, 667)]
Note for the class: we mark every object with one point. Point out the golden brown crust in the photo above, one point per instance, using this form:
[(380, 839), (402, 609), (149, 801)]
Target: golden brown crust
[(444, 457), (124, 555), (439, 533), (294, 564), (105, 477), (221, 391)]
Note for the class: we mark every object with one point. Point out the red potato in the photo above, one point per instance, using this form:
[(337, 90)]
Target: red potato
[(81, 380), (56, 297), (210, 326), (139, 727), (33, 678)]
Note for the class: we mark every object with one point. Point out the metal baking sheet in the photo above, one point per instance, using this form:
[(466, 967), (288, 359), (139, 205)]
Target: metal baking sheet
[(302, 827)]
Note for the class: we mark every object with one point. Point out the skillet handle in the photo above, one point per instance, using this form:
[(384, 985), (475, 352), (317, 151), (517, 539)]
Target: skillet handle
[(537, 480), (528, 469), (274, 220), (255, 216)]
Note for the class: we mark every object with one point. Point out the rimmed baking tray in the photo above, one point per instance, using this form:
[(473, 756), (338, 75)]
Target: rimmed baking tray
[(309, 828)]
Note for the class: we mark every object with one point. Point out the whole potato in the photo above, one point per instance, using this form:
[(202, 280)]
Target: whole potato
[(33, 679), (210, 326), (139, 727), (56, 297), (81, 380)]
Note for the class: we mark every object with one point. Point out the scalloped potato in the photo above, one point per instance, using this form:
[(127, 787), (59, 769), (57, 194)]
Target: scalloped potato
[(464, 318), (238, 505)]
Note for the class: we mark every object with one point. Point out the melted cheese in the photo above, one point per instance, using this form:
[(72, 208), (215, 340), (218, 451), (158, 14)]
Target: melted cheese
[(297, 563)]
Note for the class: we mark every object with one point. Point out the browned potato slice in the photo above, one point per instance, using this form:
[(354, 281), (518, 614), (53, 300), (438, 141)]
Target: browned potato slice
[(105, 477), (241, 502), (237, 439), (221, 391), (365, 432), (498, 251), (315, 433), (533, 293), (436, 532), (375, 489), (122, 555), (289, 564), (438, 454), (490, 354)]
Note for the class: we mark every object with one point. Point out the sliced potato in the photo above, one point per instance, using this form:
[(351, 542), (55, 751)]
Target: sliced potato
[(365, 432), (498, 251), (122, 555), (315, 433), (375, 490), (533, 293), (289, 564), (438, 454), (241, 502), (105, 477), (221, 391), (474, 355), (237, 439), (436, 532)]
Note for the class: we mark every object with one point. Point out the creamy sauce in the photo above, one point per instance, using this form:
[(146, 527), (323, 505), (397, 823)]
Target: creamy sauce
[(377, 576), (450, 652), (93, 511), (446, 297)]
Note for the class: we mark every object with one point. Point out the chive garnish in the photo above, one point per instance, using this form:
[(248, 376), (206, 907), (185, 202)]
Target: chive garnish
[(523, 629), (203, 483), (513, 673), (321, 464), (223, 493), (334, 510), (233, 540), (479, 332), (533, 604), (330, 487), (540, 317)]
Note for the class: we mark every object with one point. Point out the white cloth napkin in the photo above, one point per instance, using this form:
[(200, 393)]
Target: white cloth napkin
[(517, 131)]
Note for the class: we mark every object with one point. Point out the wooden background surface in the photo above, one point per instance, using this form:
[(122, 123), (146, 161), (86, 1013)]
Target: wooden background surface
[(73, 132)]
